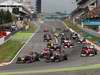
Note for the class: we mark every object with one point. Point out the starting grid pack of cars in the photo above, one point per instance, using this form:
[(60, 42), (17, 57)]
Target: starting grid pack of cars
[(55, 51)]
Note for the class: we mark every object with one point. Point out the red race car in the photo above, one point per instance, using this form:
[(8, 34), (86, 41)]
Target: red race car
[(45, 53), (68, 44), (88, 50)]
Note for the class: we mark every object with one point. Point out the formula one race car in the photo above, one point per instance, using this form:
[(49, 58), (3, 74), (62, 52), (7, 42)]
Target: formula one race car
[(82, 40), (47, 37), (45, 53), (25, 59), (53, 55), (88, 50), (68, 44), (28, 58), (57, 57), (74, 36)]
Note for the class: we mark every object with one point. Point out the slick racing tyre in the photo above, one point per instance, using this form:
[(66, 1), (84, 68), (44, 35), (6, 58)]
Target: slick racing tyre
[(83, 54), (65, 57)]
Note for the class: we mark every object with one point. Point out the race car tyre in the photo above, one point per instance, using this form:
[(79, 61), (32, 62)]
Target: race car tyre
[(95, 52), (19, 60), (52, 59), (83, 55), (65, 57), (91, 54)]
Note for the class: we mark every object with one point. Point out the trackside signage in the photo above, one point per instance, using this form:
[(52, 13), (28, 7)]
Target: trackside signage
[(91, 22)]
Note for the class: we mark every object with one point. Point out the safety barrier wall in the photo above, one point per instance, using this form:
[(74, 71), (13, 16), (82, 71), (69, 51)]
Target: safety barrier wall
[(4, 38), (1, 40)]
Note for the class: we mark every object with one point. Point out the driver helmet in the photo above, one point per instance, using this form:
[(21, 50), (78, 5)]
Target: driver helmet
[(22, 58), (45, 29), (52, 44), (56, 34)]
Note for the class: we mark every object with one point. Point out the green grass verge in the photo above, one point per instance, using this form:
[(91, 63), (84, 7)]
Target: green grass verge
[(91, 37), (9, 49), (5, 74), (72, 26)]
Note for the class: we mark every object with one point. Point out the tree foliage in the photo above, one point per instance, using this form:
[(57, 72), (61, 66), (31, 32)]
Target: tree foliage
[(15, 10), (5, 16)]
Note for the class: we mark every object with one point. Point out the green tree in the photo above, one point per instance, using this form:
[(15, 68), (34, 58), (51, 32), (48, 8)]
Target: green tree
[(15, 10), (5, 16), (8, 16), (1, 16)]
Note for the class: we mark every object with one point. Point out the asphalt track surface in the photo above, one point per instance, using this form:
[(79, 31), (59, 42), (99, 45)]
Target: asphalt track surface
[(36, 44)]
